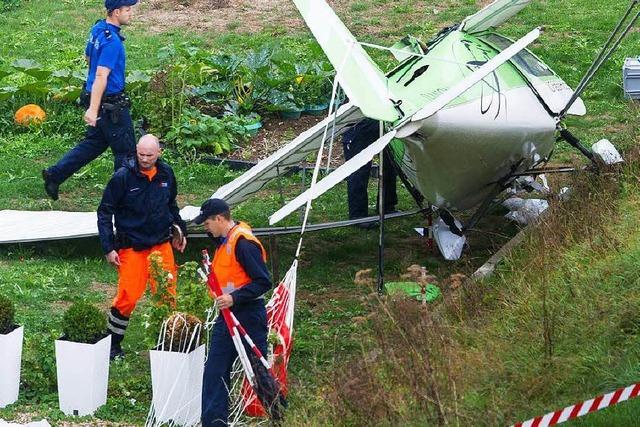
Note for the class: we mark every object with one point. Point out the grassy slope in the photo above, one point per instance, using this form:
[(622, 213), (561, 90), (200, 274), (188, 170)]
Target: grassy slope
[(43, 277), (591, 310)]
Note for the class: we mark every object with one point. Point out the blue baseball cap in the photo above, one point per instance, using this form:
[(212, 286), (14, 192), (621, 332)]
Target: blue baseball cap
[(116, 4), (210, 208)]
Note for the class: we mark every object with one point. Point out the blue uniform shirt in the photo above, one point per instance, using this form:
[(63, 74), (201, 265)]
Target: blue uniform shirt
[(105, 49)]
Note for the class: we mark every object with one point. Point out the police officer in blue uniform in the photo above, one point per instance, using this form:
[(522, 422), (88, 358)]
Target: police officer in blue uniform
[(354, 140), (107, 115)]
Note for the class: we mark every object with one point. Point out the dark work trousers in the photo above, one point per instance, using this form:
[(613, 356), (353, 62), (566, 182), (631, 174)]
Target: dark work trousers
[(222, 353), (357, 182), (106, 134)]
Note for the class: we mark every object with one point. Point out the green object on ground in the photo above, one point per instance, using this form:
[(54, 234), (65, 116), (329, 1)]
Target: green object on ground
[(413, 289), (291, 114)]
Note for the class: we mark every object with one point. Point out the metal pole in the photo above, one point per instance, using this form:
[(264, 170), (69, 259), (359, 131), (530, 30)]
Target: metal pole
[(381, 219)]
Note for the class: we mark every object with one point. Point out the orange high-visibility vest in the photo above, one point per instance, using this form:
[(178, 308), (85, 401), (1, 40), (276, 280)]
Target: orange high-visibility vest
[(225, 265)]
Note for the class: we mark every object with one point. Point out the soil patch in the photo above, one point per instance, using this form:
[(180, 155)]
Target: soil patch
[(107, 290), (367, 18), (276, 133), (219, 15)]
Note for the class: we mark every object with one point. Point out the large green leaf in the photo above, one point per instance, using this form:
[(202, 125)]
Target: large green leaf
[(7, 92), (31, 68), (4, 73), (35, 88), (69, 93), (137, 79)]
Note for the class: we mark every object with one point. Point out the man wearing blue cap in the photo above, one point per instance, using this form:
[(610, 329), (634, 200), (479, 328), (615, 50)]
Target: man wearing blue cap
[(239, 265), (107, 115)]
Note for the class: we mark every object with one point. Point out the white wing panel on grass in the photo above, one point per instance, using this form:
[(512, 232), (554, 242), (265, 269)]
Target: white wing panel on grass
[(362, 80), (334, 177), (493, 15), (465, 84), (280, 162), (29, 226)]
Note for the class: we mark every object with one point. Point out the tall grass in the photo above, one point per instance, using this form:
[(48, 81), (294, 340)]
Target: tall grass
[(539, 335)]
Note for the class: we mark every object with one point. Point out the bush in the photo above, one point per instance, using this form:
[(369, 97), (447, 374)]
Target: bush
[(7, 313), (84, 323)]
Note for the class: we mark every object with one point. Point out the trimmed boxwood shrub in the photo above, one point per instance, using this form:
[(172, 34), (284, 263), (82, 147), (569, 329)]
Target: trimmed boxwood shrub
[(7, 314), (84, 323)]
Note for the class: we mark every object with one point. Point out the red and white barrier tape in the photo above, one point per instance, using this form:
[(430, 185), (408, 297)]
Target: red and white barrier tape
[(583, 408)]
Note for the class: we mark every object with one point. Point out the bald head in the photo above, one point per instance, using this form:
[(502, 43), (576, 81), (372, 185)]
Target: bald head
[(148, 141), (148, 151)]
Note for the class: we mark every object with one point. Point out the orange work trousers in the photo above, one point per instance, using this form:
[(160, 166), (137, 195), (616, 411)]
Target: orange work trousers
[(133, 275)]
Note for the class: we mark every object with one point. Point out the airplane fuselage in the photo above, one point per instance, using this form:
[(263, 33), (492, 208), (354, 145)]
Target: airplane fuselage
[(498, 128)]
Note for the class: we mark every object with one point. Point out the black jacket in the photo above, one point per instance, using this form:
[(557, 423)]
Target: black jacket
[(144, 210)]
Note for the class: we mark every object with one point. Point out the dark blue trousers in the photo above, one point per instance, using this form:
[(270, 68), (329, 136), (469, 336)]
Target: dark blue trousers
[(222, 354), (354, 141), (106, 134)]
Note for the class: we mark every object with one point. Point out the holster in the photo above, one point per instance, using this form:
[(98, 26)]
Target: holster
[(113, 110)]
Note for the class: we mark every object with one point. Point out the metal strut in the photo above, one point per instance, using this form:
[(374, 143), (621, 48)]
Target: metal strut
[(381, 213), (575, 142)]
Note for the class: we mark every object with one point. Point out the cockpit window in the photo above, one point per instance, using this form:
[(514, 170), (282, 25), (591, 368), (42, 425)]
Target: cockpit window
[(525, 60)]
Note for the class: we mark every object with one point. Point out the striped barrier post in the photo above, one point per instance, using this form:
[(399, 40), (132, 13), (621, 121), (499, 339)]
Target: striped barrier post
[(583, 408)]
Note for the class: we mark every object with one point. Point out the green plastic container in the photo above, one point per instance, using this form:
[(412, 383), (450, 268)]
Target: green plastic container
[(253, 128), (290, 114), (316, 110), (412, 289)]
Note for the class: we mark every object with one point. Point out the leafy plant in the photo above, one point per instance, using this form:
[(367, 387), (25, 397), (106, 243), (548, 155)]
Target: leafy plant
[(191, 301), (7, 313), (162, 300), (84, 323), (206, 133)]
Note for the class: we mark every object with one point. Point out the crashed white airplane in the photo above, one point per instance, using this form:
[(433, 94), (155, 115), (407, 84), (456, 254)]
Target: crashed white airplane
[(464, 116)]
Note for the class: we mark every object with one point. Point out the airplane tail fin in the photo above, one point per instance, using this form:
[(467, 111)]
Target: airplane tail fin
[(360, 77), (493, 15)]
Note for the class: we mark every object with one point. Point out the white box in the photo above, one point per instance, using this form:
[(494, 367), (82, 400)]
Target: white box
[(631, 78), (10, 358), (176, 381), (83, 375)]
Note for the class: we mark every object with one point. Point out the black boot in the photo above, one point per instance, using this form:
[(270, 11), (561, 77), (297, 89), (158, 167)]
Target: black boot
[(117, 327), (50, 186)]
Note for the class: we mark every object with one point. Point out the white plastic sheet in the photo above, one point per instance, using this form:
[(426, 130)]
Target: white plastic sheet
[(523, 211), (606, 152), (450, 244)]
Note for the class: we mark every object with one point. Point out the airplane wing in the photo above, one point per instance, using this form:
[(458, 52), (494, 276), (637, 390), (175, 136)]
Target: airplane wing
[(493, 15), (281, 161), (334, 178), (362, 80), (22, 226)]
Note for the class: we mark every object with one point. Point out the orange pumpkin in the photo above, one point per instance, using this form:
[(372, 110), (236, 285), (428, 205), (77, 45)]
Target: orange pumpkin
[(30, 114)]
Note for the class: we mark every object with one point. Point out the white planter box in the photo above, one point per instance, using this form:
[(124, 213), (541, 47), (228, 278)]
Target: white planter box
[(176, 380), (10, 357), (83, 375)]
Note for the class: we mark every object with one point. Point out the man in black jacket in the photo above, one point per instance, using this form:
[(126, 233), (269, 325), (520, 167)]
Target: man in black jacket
[(354, 140), (142, 197)]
